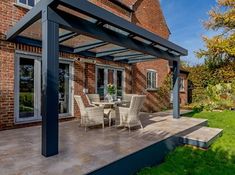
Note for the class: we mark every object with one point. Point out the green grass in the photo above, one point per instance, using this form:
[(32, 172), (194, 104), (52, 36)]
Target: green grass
[(219, 159)]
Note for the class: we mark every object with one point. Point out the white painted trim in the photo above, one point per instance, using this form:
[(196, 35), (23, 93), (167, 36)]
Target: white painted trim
[(20, 4), (183, 82)]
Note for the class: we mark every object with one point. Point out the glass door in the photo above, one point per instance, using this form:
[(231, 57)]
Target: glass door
[(28, 89), (119, 78), (100, 82), (107, 76), (64, 90)]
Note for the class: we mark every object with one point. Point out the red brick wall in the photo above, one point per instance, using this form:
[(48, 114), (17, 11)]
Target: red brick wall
[(148, 14), (112, 7)]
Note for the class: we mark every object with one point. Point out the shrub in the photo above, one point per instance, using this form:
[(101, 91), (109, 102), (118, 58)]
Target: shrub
[(218, 97)]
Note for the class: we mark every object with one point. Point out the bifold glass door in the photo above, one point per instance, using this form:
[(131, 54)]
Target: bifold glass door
[(105, 76), (64, 88), (28, 89)]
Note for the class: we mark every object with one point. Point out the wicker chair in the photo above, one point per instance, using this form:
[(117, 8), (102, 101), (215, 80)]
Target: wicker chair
[(130, 116), (126, 100), (90, 116), (96, 98)]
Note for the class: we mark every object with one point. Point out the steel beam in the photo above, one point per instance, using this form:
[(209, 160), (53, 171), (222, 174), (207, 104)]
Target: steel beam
[(50, 84), (89, 46), (176, 81), (112, 19), (38, 43), (67, 36), (78, 25)]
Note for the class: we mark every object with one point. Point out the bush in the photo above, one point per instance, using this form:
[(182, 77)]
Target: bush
[(218, 97)]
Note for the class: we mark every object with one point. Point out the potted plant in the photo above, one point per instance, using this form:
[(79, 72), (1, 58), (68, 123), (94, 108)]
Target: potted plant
[(111, 89)]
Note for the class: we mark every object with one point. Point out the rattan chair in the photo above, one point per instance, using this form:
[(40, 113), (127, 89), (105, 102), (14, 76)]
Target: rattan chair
[(90, 116), (130, 116)]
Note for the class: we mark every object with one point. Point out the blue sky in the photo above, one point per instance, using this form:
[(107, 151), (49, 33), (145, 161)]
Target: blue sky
[(185, 18)]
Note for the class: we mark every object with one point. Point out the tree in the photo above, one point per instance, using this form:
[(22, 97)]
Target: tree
[(220, 49)]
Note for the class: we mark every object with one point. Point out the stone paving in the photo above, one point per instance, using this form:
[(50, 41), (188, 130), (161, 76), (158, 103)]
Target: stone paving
[(82, 152)]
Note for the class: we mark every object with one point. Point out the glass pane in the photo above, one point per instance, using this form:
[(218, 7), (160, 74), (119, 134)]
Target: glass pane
[(119, 83), (100, 82), (31, 3), (154, 80), (23, 1), (26, 101), (64, 88), (149, 80)]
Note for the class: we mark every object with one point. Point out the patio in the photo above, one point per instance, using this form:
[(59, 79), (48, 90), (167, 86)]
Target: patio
[(83, 152), (79, 28)]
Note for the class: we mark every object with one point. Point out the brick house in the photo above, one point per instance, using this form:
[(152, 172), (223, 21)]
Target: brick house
[(20, 66)]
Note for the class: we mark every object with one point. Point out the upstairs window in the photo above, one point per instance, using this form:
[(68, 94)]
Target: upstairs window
[(27, 3), (182, 85), (151, 79)]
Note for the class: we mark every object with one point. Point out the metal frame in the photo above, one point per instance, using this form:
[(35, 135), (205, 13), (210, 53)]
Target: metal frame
[(52, 19)]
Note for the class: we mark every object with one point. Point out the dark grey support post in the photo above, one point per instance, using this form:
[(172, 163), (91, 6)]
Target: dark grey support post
[(176, 101), (50, 71)]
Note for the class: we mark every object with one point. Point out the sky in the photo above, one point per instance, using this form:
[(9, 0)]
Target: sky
[(185, 21)]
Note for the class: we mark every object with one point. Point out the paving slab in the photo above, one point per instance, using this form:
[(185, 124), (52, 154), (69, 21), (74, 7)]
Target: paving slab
[(202, 137)]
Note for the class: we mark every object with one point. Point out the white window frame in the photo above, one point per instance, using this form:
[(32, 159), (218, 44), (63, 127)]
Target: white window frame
[(152, 72), (37, 84), (115, 69), (182, 85), (26, 5)]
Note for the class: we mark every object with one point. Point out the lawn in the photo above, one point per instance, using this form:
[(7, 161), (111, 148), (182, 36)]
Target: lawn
[(219, 159)]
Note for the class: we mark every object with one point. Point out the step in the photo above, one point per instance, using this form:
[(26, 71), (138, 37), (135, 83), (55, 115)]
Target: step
[(202, 137)]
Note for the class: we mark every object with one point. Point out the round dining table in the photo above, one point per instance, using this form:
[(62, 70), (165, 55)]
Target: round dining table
[(109, 110)]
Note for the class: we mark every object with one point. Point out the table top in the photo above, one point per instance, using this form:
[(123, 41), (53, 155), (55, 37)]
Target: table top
[(105, 103)]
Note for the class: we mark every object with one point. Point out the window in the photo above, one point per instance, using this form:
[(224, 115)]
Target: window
[(151, 79), (182, 84), (27, 3)]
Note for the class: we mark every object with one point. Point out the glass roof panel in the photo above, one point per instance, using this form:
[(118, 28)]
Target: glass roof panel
[(76, 13), (34, 31)]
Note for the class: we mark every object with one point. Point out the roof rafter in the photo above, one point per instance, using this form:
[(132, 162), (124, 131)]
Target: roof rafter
[(66, 36)]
